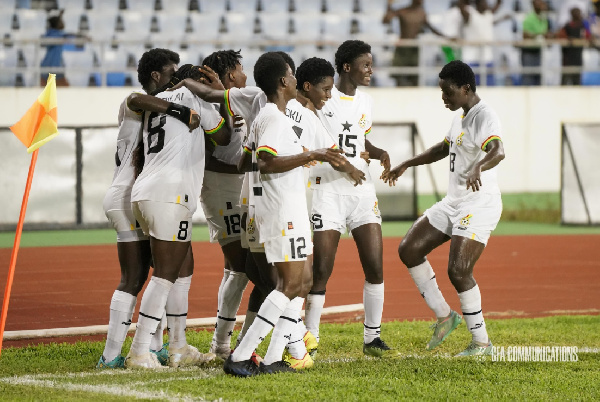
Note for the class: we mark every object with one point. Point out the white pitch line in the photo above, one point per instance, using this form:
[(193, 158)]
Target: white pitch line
[(103, 329), (97, 389)]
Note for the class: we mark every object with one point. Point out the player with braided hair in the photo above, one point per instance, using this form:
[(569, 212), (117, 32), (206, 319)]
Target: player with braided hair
[(157, 66)]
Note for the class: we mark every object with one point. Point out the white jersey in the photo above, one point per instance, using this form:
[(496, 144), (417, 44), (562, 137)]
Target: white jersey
[(247, 103), (232, 152), (118, 195), (348, 119), (174, 157), (281, 208), (308, 127), (468, 137)]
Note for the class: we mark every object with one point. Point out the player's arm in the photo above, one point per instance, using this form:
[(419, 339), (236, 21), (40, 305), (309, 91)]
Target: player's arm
[(437, 152), (202, 90), (141, 102), (378, 153), (494, 150), (271, 163)]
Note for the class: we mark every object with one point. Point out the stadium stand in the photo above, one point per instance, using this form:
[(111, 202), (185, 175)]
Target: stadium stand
[(304, 28)]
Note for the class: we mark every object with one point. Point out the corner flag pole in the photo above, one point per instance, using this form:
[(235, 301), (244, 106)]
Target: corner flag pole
[(15, 250)]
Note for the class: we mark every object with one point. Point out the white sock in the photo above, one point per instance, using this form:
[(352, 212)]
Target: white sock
[(122, 305), (424, 278), (296, 345), (373, 301), (250, 316), (226, 273), (470, 303), (151, 311), (314, 309), (177, 309), (268, 314), (156, 343), (231, 296), (283, 331)]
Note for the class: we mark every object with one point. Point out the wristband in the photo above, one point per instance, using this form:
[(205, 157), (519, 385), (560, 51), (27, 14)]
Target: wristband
[(180, 112)]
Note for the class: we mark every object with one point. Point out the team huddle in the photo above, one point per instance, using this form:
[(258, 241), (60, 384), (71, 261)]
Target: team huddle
[(199, 133)]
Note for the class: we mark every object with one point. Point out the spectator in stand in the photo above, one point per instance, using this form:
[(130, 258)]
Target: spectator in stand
[(564, 11), (535, 26), (54, 52), (478, 25), (412, 21), (572, 54)]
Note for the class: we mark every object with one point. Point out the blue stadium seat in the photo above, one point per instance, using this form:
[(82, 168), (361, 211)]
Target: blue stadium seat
[(590, 78)]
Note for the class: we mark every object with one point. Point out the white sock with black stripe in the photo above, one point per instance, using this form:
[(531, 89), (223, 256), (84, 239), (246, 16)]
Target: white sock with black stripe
[(470, 303), (373, 302), (424, 278), (283, 331), (231, 296), (122, 305), (296, 345), (314, 310), (151, 312), (156, 343), (177, 309), (268, 314)]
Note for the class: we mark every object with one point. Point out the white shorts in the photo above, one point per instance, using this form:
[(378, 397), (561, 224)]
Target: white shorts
[(331, 211), (164, 220), (220, 199), (474, 217), (126, 226), (289, 248)]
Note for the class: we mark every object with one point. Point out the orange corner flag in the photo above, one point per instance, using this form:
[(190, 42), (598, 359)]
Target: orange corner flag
[(38, 125)]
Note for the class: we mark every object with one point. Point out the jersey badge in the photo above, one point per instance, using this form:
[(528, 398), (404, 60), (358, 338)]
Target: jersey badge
[(459, 139), (465, 221), (290, 225), (318, 180), (362, 123), (250, 228), (376, 210)]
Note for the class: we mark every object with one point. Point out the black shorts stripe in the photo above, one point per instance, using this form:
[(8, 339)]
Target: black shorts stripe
[(225, 318), (177, 315), (475, 313), (366, 326), (265, 320), (149, 316)]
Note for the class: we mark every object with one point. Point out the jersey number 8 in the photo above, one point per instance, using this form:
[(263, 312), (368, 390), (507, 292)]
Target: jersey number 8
[(156, 145)]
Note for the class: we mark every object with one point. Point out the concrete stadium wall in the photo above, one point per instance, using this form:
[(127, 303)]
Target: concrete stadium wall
[(531, 120)]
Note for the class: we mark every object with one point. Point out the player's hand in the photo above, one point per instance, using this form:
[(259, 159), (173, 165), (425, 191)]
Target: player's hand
[(474, 180), (391, 176), (238, 121), (365, 156), (332, 156), (211, 78), (357, 176), (180, 84), (384, 160), (311, 163), (194, 120)]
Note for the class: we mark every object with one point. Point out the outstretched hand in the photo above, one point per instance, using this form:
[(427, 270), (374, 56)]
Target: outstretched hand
[(357, 176), (391, 176), (194, 120), (474, 180), (384, 159)]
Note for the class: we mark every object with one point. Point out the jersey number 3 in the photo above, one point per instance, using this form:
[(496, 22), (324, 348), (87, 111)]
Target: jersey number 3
[(156, 132)]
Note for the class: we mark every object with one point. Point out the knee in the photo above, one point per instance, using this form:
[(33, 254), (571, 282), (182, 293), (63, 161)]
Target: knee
[(460, 279), (291, 289), (405, 253)]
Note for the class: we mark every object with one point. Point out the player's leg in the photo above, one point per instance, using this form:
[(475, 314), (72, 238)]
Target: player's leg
[(231, 296), (419, 241), (325, 247), (134, 254), (257, 296), (170, 228), (472, 228), (368, 239)]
